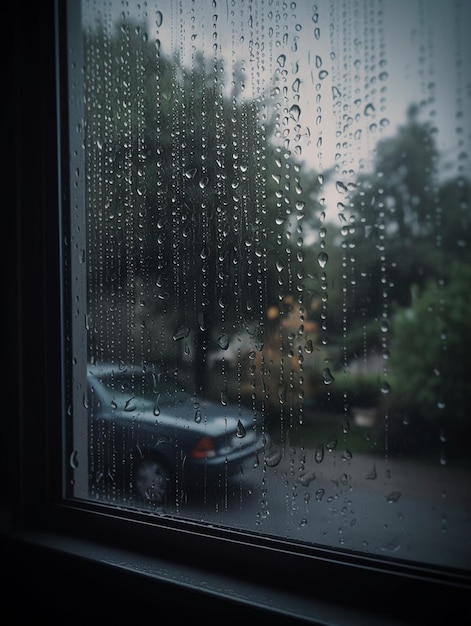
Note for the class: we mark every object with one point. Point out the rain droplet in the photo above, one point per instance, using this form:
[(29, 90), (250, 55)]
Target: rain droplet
[(281, 60), (320, 494), (393, 496), (73, 460), (130, 405), (181, 333), (282, 393), (331, 443), (322, 259), (319, 453), (306, 478), (295, 112), (273, 456), (191, 173), (341, 187), (198, 416), (240, 432), (347, 455), (371, 475), (369, 109), (385, 387), (327, 376), (223, 342), (309, 347)]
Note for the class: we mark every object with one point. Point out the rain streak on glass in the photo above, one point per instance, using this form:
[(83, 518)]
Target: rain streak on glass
[(276, 233)]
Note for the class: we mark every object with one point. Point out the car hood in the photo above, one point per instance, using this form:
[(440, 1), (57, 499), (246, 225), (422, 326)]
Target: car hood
[(198, 416)]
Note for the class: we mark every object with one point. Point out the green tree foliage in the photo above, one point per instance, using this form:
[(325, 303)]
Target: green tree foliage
[(190, 199), (409, 227), (430, 350)]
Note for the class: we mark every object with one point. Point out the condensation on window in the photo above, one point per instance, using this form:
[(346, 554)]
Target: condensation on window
[(270, 268)]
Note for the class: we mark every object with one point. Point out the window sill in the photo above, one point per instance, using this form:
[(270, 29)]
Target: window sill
[(62, 575)]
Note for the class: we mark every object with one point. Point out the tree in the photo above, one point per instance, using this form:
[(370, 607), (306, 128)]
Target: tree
[(409, 227), (430, 349), (189, 201)]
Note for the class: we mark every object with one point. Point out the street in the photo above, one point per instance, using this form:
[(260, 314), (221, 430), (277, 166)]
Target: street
[(385, 507)]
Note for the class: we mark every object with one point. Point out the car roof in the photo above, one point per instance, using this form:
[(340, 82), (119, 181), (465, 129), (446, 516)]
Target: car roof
[(106, 367)]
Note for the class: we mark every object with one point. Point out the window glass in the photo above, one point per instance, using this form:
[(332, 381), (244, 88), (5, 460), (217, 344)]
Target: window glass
[(268, 268)]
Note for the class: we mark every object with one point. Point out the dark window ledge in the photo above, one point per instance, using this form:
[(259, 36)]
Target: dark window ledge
[(62, 576)]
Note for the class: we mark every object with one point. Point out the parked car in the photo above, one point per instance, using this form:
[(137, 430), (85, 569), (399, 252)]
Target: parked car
[(149, 439)]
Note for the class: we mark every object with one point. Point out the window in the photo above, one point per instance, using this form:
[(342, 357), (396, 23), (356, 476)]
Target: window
[(264, 267)]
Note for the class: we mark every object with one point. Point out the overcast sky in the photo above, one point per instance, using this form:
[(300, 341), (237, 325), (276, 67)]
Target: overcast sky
[(352, 67)]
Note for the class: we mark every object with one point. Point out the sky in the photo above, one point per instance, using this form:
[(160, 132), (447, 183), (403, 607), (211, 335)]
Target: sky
[(346, 70)]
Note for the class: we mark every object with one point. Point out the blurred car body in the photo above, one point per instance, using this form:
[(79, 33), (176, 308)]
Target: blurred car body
[(150, 439)]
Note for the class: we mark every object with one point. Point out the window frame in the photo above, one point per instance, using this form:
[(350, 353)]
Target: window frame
[(262, 576)]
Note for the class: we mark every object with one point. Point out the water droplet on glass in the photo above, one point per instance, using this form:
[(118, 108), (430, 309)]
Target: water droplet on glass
[(369, 109), (306, 478), (331, 443), (282, 393), (341, 187), (198, 416), (347, 455), (320, 494), (319, 453), (327, 376), (281, 60), (181, 333), (223, 342), (273, 456), (240, 431), (393, 496), (295, 112), (322, 259), (371, 475), (130, 405), (191, 173), (73, 460)]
